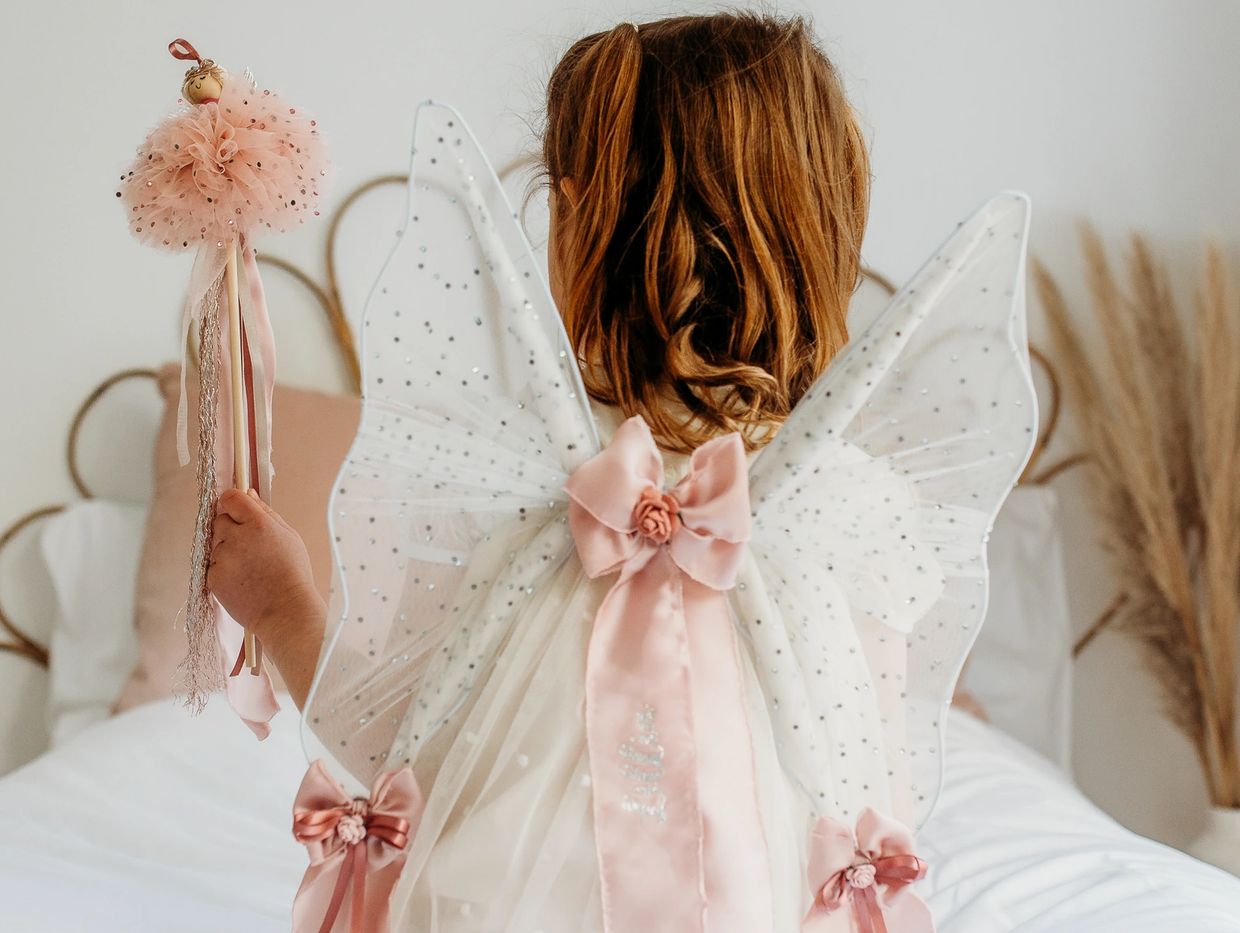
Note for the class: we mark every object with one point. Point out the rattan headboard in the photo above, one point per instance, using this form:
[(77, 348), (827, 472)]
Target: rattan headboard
[(328, 297), (17, 641)]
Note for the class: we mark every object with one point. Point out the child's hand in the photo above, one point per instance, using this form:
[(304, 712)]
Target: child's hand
[(259, 571)]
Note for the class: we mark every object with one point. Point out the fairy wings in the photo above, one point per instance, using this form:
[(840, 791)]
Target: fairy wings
[(866, 563)]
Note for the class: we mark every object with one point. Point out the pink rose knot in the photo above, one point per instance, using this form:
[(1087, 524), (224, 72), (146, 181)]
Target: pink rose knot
[(860, 876), (352, 826), (656, 515)]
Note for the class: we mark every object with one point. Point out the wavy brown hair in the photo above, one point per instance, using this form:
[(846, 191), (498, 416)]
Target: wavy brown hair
[(719, 194)]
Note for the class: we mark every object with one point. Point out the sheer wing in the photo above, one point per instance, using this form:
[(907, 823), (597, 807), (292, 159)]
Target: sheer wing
[(872, 507), (473, 416)]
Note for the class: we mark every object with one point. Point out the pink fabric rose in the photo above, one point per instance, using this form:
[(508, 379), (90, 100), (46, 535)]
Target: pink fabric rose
[(860, 876), (655, 515), (225, 146), (351, 829)]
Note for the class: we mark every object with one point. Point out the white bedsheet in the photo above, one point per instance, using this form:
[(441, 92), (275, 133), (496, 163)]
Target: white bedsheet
[(1013, 845), (154, 821)]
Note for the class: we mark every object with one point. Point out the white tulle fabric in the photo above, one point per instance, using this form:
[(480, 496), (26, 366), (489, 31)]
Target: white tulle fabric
[(463, 615)]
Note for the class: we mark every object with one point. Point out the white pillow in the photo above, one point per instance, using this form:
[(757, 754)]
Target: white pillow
[(91, 550), (1020, 669)]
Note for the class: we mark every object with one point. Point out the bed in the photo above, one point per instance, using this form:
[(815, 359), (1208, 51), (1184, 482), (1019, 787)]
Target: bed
[(145, 823), (151, 821)]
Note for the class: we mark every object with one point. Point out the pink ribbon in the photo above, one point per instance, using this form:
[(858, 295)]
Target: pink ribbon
[(251, 697), (677, 825), (844, 869), (352, 841), (259, 357), (180, 48)]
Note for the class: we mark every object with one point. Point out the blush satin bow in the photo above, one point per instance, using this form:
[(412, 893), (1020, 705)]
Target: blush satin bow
[(351, 840), (676, 819), (848, 870)]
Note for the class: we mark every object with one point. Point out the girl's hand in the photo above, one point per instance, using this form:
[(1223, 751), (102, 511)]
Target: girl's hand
[(259, 570)]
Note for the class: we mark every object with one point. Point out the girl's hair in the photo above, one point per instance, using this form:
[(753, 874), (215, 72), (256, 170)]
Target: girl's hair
[(720, 190)]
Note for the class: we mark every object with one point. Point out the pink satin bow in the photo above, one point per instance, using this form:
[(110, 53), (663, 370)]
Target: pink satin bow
[(677, 825), (844, 869), (354, 839)]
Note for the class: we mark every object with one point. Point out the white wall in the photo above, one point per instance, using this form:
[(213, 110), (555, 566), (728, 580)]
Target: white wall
[(1123, 111)]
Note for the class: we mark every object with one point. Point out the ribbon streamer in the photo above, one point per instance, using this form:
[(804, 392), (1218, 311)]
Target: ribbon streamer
[(260, 355), (204, 668), (354, 839), (676, 819)]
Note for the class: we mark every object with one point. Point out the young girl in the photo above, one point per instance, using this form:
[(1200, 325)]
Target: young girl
[(654, 650)]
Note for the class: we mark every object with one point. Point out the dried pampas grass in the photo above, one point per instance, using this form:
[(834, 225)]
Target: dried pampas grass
[(1159, 408)]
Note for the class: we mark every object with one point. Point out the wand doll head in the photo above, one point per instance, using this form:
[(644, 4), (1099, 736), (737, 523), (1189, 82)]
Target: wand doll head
[(709, 191), (204, 82)]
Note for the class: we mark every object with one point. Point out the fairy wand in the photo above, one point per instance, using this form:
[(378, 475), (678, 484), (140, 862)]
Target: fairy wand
[(232, 160)]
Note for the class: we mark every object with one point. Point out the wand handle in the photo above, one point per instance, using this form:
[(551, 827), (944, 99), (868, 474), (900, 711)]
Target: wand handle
[(240, 413)]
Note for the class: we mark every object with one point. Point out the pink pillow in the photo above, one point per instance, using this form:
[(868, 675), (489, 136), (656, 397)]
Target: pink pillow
[(311, 434)]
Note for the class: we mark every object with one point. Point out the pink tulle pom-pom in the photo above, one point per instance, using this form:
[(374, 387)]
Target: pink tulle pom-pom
[(214, 170)]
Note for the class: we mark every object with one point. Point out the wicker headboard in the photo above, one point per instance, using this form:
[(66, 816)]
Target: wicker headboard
[(18, 642), (15, 640)]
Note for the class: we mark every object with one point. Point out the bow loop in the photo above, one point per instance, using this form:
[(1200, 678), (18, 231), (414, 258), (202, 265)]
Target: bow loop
[(832, 851), (714, 513), (320, 804), (357, 837), (316, 830), (609, 484)]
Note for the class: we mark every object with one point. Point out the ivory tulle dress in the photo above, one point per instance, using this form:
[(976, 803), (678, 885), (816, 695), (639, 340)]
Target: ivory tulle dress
[(643, 691)]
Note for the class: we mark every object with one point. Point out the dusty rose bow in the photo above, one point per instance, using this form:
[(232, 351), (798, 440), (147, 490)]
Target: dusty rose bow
[(847, 870), (676, 822), (620, 517), (351, 840)]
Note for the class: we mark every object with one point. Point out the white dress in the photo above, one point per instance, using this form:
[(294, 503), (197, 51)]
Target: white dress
[(516, 851), (465, 616)]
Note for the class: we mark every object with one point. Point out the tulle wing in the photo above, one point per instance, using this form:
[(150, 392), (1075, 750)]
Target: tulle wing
[(872, 507), (448, 512)]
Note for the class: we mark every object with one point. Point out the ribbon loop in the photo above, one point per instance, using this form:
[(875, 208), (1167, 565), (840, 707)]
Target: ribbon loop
[(677, 827), (181, 49), (358, 838)]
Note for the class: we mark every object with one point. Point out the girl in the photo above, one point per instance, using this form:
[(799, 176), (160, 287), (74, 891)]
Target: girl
[(709, 188), (651, 657)]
